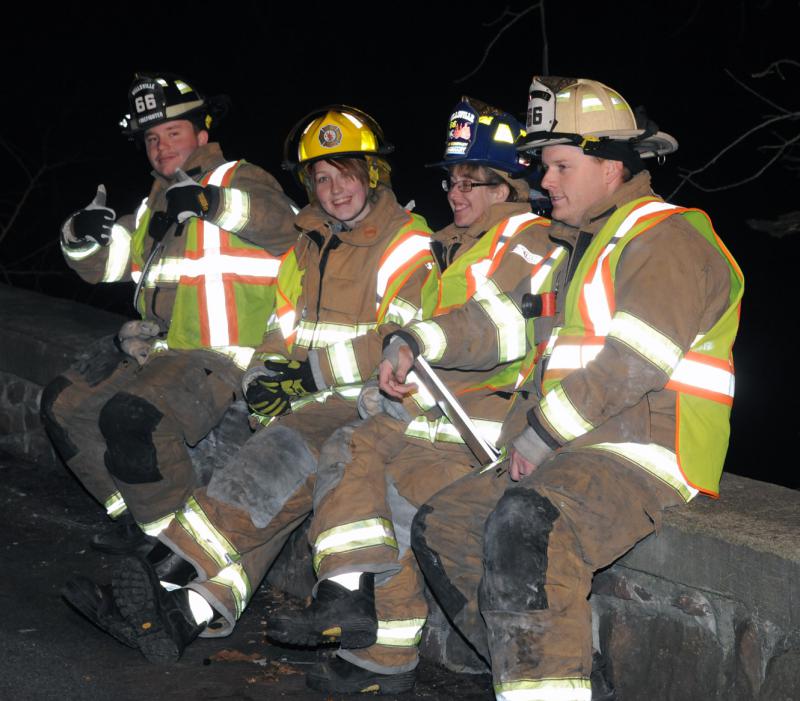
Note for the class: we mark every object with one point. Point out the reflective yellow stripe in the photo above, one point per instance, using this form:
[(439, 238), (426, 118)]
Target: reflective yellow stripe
[(321, 334), (440, 429), (507, 318), (563, 416), (432, 337), (115, 505), (657, 460), (400, 633), (235, 578), (400, 312), (155, 527), (343, 363), (235, 209), (353, 536), (646, 340), (194, 520), (565, 689)]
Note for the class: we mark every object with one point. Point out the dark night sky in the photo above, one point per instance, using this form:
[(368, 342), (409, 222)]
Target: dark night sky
[(67, 70)]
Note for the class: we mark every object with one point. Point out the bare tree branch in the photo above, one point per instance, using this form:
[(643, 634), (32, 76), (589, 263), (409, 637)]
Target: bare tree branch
[(515, 17), (755, 92), (775, 67)]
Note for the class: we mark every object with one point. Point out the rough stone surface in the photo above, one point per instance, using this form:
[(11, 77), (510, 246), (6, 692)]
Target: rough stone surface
[(782, 681)]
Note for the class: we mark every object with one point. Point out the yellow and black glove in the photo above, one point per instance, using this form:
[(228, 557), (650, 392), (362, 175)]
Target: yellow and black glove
[(269, 390)]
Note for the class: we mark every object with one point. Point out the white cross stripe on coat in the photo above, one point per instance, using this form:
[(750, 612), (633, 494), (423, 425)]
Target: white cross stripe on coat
[(545, 693), (594, 291)]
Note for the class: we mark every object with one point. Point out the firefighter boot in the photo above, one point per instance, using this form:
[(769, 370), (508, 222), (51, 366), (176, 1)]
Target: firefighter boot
[(123, 537), (336, 615), (341, 677), (163, 620), (96, 602)]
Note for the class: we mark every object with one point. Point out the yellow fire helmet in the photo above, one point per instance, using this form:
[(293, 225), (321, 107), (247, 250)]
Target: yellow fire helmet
[(588, 114), (337, 131)]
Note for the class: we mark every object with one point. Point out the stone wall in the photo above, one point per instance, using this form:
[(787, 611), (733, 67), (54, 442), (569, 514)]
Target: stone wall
[(708, 608)]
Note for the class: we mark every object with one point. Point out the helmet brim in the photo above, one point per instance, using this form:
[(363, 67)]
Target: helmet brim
[(658, 144)]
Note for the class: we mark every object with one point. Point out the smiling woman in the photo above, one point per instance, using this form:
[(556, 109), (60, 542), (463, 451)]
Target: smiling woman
[(342, 188)]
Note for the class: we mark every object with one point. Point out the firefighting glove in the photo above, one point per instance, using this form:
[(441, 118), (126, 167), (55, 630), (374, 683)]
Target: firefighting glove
[(263, 395), (99, 361), (135, 339), (92, 222), (186, 198)]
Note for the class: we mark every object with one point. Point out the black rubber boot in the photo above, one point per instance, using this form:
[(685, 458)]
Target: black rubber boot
[(162, 619), (96, 602), (336, 615), (122, 537), (341, 677), (169, 566)]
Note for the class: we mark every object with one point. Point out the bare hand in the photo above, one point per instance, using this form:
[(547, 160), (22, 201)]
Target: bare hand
[(519, 467), (393, 381)]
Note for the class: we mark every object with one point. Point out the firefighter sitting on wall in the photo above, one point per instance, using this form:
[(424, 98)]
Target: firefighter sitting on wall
[(204, 249), (627, 412), (354, 274)]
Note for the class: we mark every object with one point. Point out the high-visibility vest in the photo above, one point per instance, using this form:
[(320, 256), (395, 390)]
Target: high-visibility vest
[(703, 377), (408, 250), (225, 285), (466, 278)]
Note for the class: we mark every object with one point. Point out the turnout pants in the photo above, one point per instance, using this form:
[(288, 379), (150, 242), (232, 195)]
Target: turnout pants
[(233, 529), (125, 436), (371, 481), (512, 563)]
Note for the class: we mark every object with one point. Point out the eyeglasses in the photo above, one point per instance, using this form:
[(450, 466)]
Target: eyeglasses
[(463, 185)]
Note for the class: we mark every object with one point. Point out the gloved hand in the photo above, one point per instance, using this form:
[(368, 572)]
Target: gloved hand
[(99, 361), (269, 389), (135, 339), (186, 199), (92, 222)]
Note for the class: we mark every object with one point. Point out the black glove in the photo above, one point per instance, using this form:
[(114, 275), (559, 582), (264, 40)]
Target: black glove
[(270, 389), (186, 198), (99, 361), (92, 222)]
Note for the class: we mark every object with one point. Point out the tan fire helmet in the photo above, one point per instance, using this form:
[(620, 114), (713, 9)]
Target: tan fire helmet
[(589, 114)]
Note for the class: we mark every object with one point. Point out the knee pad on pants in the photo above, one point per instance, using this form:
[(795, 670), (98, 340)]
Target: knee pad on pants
[(127, 422), (515, 546)]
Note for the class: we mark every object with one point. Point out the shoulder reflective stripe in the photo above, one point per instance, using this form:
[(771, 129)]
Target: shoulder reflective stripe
[(432, 337), (703, 376), (155, 527), (596, 295), (218, 174), (194, 520), (353, 536), (646, 340), (140, 211), (235, 578), (506, 317), (235, 209), (119, 252), (563, 416), (569, 689), (399, 257), (657, 460), (115, 505), (541, 274), (400, 633)]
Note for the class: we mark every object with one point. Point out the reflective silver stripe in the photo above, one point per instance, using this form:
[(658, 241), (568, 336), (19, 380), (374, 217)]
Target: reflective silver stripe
[(657, 460), (155, 527), (432, 337), (240, 355), (235, 578), (353, 536), (574, 689), (539, 277), (398, 258), (594, 292), (440, 429), (400, 312), (119, 253), (507, 318), (400, 633), (650, 343), (235, 209), (343, 363), (136, 275), (569, 356), (321, 334), (704, 376), (81, 253), (196, 523), (115, 505), (140, 212), (563, 416)]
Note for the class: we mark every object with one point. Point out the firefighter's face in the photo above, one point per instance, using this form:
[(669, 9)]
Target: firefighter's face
[(577, 182), (340, 193), (469, 207), (169, 145)]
